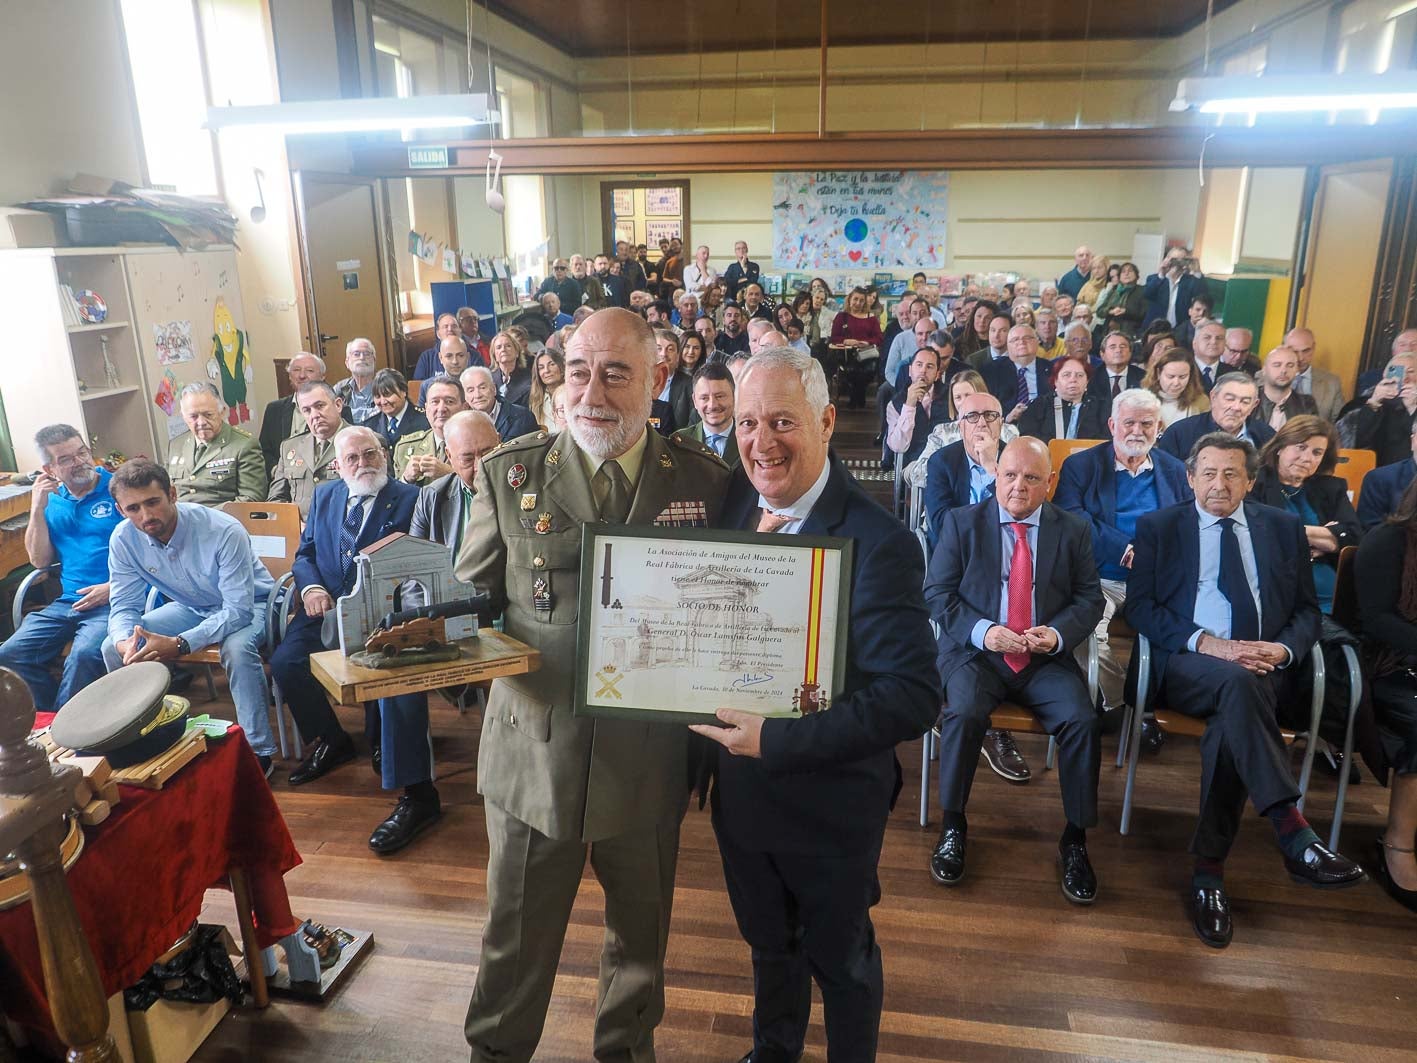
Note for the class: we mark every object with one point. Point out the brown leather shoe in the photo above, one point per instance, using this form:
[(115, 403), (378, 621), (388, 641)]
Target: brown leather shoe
[(1003, 756)]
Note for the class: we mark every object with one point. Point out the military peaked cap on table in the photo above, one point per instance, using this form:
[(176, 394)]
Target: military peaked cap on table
[(127, 716)]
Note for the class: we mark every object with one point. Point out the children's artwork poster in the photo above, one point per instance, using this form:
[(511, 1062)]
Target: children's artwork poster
[(450, 261), (415, 244), (656, 231), (428, 251), (175, 425), (624, 201), (174, 342), (874, 219), (625, 230), (663, 202), (165, 398)]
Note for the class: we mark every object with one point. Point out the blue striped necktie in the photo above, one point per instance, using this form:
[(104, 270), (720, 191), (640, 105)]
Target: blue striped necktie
[(348, 535)]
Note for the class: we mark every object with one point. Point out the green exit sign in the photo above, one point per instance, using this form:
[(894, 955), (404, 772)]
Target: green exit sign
[(428, 158)]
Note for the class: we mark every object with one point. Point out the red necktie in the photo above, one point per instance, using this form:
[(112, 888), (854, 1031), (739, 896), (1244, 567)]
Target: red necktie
[(1020, 594)]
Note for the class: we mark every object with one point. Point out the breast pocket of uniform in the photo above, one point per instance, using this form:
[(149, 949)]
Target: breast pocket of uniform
[(543, 577)]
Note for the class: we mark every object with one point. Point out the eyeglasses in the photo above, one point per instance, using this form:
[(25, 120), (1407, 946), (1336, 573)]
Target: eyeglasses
[(985, 417), (371, 456), (559, 269), (1237, 350), (82, 456)]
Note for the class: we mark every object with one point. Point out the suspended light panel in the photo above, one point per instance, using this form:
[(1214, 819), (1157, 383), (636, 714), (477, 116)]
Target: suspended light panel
[(1296, 94), (360, 115)]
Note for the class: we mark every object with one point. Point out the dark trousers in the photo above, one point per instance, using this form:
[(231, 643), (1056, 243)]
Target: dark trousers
[(1050, 689), (808, 916), (1241, 750), (398, 725)]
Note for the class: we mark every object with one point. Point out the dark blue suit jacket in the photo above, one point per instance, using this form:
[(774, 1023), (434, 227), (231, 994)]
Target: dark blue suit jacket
[(1161, 590), (414, 420), (1382, 490), (1001, 378), (963, 585), (1087, 486), (1100, 384), (1157, 293), (317, 560), (1181, 436), (826, 781), (946, 486), (514, 420), (518, 385)]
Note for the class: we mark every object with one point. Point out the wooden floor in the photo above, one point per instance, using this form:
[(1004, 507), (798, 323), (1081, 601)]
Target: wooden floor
[(1001, 967)]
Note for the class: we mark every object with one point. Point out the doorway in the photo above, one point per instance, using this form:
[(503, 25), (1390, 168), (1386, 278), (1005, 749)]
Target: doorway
[(643, 212), (344, 277)]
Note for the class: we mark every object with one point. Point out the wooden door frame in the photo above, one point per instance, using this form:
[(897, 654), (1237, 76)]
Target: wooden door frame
[(607, 229), (387, 298)]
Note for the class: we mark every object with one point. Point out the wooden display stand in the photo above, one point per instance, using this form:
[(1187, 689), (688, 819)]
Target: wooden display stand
[(489, 656)]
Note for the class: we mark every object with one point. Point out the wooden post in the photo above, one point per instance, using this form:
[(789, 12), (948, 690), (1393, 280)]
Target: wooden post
[(822, 76), (33, 799), (241, 893)]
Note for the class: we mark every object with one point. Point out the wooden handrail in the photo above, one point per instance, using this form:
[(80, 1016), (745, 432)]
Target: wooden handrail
[(34, 795)]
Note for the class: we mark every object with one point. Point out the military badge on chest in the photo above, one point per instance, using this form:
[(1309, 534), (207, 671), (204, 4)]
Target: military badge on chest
[(683, 515), (516, 476), (541, 594)]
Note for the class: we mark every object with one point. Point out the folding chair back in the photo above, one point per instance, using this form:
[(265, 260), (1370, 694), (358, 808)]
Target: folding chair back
[(1353, 465), (1058, 451), (274, 528)]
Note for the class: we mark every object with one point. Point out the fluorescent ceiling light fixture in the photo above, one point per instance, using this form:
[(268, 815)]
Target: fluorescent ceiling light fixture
[(364, 114), (1296, 93)]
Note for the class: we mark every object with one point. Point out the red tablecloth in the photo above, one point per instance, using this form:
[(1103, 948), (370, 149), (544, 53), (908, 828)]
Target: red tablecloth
[(140, 881)]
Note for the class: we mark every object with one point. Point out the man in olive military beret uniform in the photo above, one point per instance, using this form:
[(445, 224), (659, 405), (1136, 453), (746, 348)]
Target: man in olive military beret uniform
[(308, 459), (553, 784), (421, 457), (214, 462)]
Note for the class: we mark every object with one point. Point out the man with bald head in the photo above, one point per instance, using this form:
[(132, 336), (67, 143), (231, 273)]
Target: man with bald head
[(1325, 387), (282, 419), (1014, 590), (1278, 401), (1071, 282), (557, 786), (442, 508), (1238, 342)]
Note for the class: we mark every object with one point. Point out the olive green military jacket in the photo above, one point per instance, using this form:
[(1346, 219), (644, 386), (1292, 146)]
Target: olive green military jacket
[(416, 444), (231, 468), (303, 465), (571, 777)]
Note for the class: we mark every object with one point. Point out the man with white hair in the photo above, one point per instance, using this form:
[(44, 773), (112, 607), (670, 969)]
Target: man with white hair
[(346, 516), (688, 311), (762, 334), (551, 307), (356, 391), (480, 391), (800, 802), (1111, 485), (214, 462), (556, 786), (281, 420), (698, 274)]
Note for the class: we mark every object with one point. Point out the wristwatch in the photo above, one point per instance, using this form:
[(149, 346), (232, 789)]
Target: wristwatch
[(183, 649)]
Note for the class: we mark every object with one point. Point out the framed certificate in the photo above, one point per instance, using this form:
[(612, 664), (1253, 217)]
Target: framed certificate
[(675, 625)]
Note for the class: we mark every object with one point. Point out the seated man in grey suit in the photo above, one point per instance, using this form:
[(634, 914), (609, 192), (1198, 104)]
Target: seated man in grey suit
[(1014, 589), (441, 510)]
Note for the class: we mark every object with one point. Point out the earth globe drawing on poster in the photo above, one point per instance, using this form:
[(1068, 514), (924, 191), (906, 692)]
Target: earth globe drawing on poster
[(855, 230), (883, 219)]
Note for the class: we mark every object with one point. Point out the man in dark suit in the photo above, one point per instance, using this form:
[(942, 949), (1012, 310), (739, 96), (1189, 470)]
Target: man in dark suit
[(441, 510), (1232, 400), (1071, 411), (1013, 589), (1021, 377), (1208, 347), (679, 391), (281, 419), (1223, 590), (397, 417), (1384, 486), (1116, 374), (481, 391), (800, 804), (1382, 420), (1110, 486), (740, 272), (962, 473), (1170, 290), (345, 517), (713, 399)]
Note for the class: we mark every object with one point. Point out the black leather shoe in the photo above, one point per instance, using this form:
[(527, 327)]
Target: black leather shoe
[(750, 1058), (1318, 866), (1152, 736), (1210, 916), (268, 767), (947, 861), (1003, 756), (407, 821), (328, 755), (1079, 881), (376, 760), (1406, 898)]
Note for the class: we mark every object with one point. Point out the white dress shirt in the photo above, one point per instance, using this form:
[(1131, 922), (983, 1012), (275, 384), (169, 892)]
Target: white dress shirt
[(798, 511)]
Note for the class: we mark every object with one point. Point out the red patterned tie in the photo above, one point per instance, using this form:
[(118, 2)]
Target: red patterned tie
[(1020, 594)]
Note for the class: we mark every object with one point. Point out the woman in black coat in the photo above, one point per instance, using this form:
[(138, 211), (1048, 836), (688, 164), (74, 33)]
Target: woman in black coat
[(1385, 578), (1296, 475)]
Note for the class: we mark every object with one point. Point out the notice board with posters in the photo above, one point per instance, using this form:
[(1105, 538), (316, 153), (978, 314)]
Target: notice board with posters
[(867, 219)]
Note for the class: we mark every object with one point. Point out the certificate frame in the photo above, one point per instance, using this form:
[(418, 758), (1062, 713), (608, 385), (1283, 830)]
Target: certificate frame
[(824, 561)]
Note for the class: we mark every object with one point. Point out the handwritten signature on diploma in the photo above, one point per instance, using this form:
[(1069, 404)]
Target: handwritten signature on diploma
[(748, 679)]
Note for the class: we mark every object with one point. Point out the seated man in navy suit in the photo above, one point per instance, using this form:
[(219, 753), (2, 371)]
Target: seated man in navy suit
[(1383, 487), (1013, 588), (1232, 400), (1111, 486), (347, 515), (481, 391), (1116, 373), (1223, 590), (800, 805), (1021, 377)]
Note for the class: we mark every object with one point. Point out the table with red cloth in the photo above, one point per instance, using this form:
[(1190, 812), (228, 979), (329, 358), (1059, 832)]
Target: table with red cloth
[(141, 878)]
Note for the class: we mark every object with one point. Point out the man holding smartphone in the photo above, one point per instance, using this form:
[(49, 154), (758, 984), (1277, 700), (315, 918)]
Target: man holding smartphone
[(1383, 422), (1172, 288)]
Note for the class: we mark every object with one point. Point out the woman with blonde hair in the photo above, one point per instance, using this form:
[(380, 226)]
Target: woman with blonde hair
[(1174, 380), (509, 369), (1096, 283)]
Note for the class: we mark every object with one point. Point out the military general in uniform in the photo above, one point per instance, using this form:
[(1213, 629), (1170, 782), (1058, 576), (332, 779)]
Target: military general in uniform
[(214, 462), (556, 786), (308, 459)]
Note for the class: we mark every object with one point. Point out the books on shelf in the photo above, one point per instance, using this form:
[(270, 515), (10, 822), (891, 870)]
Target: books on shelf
[(69, 307)]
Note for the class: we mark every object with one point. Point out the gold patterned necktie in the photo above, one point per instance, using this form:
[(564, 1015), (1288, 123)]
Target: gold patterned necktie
[(771, 522), (615, 495)]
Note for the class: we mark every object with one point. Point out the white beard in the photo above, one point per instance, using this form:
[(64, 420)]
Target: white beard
[(607, 442), (365, 486)]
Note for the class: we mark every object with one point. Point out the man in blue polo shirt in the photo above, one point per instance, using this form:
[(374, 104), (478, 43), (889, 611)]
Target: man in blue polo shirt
[(71, 517)]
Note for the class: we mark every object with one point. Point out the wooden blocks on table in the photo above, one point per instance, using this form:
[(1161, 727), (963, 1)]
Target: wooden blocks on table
[(154, 773)]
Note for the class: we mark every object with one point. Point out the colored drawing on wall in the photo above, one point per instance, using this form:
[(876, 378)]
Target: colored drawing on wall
[(174, 342), (164, 398), (175, 426), (624, 201), (229, 367), (662, 202), (656, 231), (869, 220), (450, 261), (415, 245), (625, 230)]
